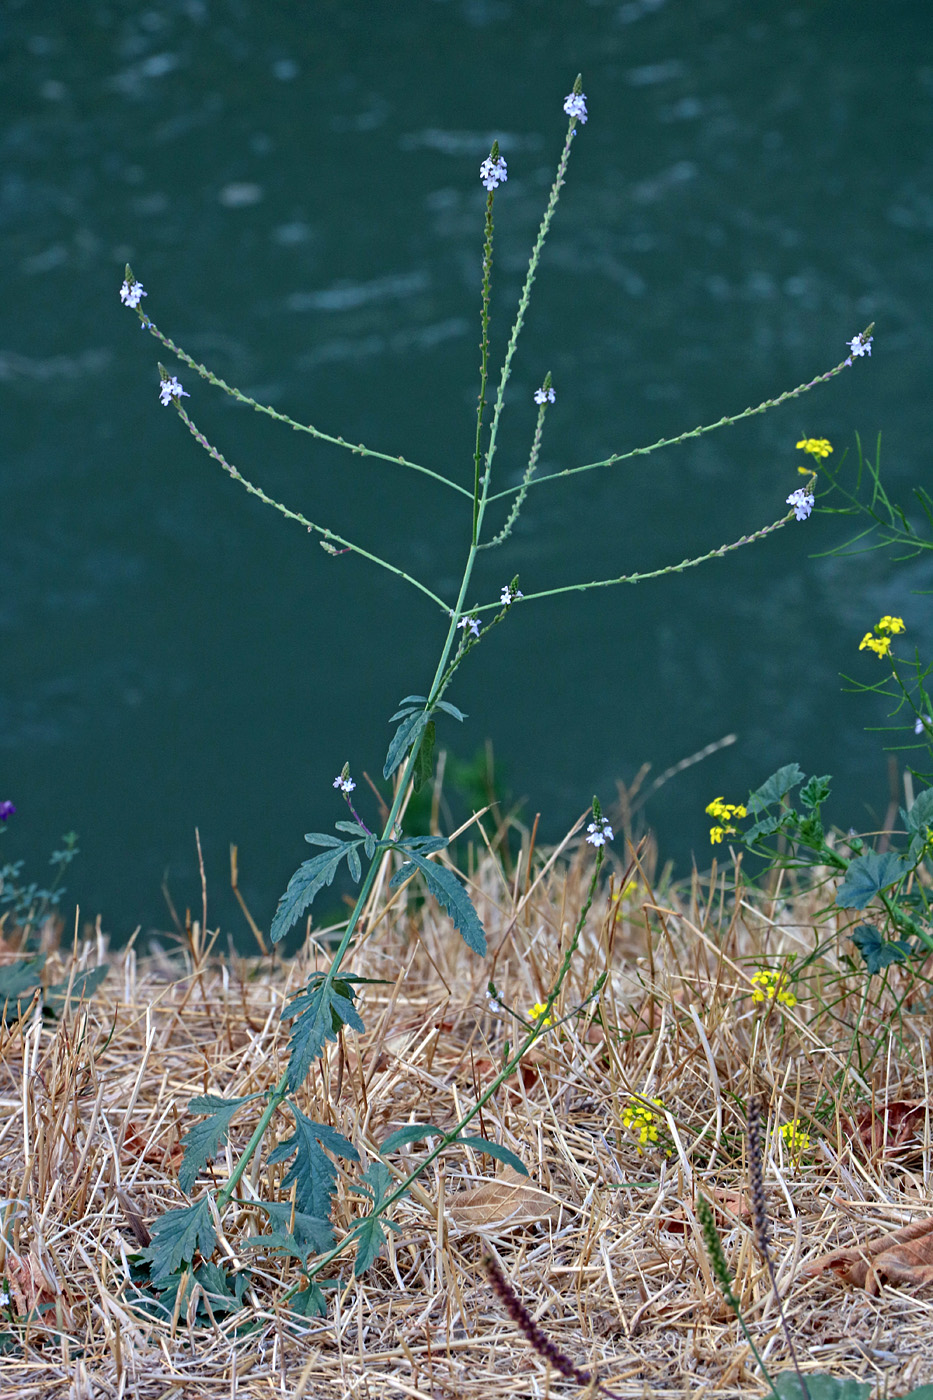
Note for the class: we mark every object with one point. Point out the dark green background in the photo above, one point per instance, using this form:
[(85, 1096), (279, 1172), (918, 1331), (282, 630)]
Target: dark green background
[(296, 185)]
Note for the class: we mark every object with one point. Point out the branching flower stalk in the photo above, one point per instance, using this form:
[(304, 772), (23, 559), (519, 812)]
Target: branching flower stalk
[(326, 1006)]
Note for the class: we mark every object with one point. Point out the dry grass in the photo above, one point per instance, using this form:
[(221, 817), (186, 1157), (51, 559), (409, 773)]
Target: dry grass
[(602, 1243)]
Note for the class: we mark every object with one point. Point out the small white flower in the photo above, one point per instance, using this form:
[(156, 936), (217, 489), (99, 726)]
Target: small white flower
[(344, 784), (802, 502), (859, 346), (509, 594), (575, 106), (598, 833), (472, 623), (545, 396), (495, 1006), (923, 724), (493, 173), (131, 292), (171, 389)]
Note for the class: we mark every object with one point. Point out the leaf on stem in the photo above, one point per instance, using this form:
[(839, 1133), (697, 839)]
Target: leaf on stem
[(407, 734), (449, 893), (204, 1140), (177, 1236), (370, 1233), (424, 764), (775, 789), (319, 1012), (308, 880), (312, 1170), (867, 876), (876, 951), (294, 1232)]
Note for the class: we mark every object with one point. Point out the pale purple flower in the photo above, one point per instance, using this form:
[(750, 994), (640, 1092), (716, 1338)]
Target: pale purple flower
[(345, 784), (575, 106), (509, 594), (472, 623), (493, 172), (131, 292), (171, 389), (6, 810), (599, 832), (495, 1006), (859, 345), (802, 502), (545, 395), (922, 725)]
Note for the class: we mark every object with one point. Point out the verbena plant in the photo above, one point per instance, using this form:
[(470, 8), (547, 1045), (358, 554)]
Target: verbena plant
[(328, 1003)]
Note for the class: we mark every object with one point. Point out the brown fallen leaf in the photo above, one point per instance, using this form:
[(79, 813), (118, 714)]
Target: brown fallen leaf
[(889, 1127), (508, 1203), (906, 1256)]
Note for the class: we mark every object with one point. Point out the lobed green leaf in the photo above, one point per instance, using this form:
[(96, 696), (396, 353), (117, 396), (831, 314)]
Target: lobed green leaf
[(308, 880), (312, 1171), (319, 1012), (775, 788), (450, 895), (177, 1236), (867, 876), (204, 1140)]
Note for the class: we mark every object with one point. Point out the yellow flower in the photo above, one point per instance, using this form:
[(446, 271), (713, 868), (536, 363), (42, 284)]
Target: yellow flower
[(772, 986), (726, 812), (881, 646), (795, 1139), (640, 1120), (537, 1011), (890, 625), (817, 447)]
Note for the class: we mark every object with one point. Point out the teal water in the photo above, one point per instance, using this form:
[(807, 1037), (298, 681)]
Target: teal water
[(296, 185)]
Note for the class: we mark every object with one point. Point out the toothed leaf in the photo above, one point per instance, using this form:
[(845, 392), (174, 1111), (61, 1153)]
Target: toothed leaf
[(312, 1170), (308, 880), (318, 1014), (204, 1140), (407, 734), (450, 895), (177, 1236)]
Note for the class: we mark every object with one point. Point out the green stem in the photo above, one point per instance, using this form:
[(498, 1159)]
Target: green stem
[(520, 318), (508, 1069), (316, 433), (682, 437), (309, 525), (484, 364), (653, 573)]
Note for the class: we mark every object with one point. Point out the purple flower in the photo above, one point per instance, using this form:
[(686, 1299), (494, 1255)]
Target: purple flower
[(344, 783), (802, 502), (472, 623), (131, 292), (599, 832), (859, 345), (171, 389), (6, 810), (545, 395), (493, 172), (575, 106)]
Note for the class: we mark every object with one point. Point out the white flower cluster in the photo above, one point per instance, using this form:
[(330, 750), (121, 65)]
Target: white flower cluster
[(131, 294), (599, 832), (344, 784), (509, 594), (472, 623), (171, 389), (575, 106), (493, 173), (545, 395), (859, 345), (802, 502)]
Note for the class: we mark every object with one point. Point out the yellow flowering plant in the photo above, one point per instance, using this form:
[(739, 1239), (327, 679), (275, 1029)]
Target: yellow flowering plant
[(768, 986), (647, 1126)]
